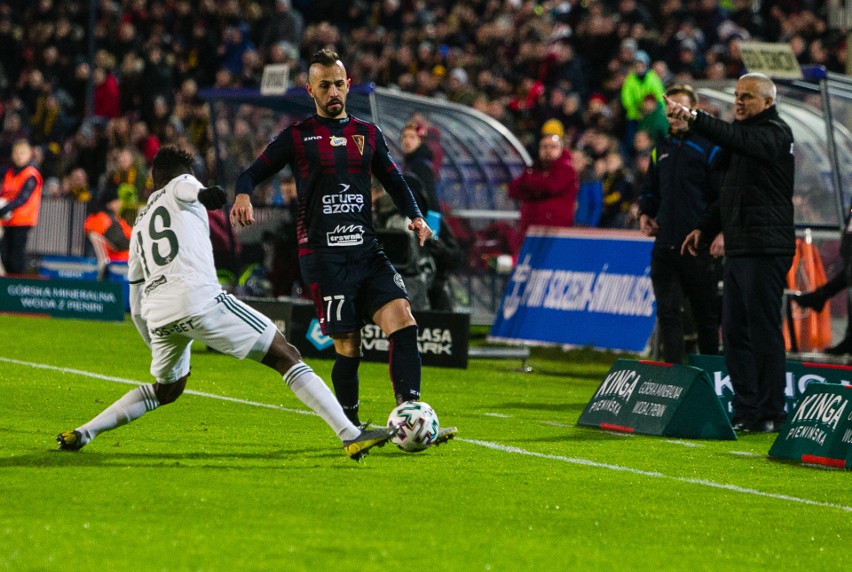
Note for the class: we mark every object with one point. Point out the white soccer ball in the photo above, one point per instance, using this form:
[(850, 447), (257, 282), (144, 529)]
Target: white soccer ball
[(418, 426)]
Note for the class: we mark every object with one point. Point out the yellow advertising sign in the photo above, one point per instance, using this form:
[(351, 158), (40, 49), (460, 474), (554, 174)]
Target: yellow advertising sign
[(775, 60)]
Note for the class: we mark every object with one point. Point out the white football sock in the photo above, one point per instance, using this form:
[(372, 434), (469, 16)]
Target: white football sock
[(314, 393), (133, 405)]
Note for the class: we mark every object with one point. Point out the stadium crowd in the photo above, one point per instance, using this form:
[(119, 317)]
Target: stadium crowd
[(569, 64)]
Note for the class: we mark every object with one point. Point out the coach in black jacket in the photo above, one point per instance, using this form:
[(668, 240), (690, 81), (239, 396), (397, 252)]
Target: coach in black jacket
[(755, 214), (681, 183)]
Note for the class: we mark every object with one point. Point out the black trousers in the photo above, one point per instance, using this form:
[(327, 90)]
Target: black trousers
[(753, 335), (674, 277), (13, 248)]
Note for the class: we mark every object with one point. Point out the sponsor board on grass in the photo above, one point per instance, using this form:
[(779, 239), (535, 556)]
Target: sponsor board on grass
[(443, 337), (61, 298), (819, 429), (657, 399), (799, 375)]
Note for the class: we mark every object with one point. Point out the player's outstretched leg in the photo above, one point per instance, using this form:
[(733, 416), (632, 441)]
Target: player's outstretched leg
[(313, 392), (369, 438), (132, 405)]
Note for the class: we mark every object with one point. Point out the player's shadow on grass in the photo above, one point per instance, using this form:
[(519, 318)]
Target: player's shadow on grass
[(264, 460)]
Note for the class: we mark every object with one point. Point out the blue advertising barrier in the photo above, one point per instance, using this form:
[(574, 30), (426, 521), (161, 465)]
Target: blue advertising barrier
[(579, 287), (80, 268)]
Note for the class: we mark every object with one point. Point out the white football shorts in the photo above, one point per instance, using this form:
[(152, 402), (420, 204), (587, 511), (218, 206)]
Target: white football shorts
[(228, 326)]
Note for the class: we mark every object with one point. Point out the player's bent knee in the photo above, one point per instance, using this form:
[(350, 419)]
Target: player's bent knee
[(281, 355), (169, 392), (393, 316), (348, 344)]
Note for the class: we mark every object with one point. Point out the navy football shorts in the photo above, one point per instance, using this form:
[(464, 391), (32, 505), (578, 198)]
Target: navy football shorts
[(348, 287)]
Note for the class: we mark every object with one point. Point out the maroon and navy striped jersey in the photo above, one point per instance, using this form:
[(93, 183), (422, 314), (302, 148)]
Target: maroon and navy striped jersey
[(332, 161)]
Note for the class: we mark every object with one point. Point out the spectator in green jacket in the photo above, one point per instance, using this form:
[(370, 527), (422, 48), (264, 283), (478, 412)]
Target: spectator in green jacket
[(653, 119), (641, 81)]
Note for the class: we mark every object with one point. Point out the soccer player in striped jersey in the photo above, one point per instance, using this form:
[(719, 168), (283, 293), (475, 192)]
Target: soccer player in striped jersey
[(175, 298), (334, 157)]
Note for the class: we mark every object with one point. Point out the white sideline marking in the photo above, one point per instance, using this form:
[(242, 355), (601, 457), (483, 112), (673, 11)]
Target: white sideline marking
[(134, 382), (486, 444), (706, 483), (745, 454), (684, 443), (500, 415)]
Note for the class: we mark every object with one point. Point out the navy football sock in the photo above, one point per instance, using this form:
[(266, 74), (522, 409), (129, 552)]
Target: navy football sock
[(344, 377), (405, 364)]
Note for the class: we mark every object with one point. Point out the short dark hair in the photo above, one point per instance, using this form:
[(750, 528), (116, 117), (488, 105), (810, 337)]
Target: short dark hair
[(170, 162), (684, 89), (325, 57)]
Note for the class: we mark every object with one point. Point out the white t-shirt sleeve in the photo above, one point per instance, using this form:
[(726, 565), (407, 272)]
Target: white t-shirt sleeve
[(186, 188)]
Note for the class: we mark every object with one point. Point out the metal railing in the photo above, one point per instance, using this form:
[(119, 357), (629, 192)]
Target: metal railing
[(60, 229)]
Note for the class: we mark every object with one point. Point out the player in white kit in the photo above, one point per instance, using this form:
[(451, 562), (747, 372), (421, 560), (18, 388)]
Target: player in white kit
[(175, 298)]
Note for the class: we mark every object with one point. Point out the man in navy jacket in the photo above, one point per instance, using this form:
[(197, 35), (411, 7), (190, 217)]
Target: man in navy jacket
[(679, 187)]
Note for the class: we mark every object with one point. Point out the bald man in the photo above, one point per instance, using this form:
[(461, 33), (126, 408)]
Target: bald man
[(755, 214)]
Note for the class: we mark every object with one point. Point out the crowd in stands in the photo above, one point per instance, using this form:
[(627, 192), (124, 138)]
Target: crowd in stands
[(580, 66)]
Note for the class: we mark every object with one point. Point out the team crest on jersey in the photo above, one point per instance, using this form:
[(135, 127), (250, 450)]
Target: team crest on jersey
[(397, 279), (338, 141), (359, 142)]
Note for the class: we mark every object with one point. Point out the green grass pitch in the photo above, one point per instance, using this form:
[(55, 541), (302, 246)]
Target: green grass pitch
[(253, 483)]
